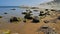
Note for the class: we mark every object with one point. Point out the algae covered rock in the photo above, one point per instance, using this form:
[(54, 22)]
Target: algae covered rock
[(0, 16)]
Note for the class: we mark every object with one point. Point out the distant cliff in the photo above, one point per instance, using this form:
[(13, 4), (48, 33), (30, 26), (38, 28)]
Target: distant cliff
[(52, 4)]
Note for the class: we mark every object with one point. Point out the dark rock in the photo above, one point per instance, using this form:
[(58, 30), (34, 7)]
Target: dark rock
[(46, 9), (35, 20), (13, 9), (14, 19), (46, 21), (27, 10), (41, 13), (58, 18), (48, 14), (44, 27), (53, 10), (35, 10), (24, 20), (5, 13), (27, 17), (23, 12), (30, 12)]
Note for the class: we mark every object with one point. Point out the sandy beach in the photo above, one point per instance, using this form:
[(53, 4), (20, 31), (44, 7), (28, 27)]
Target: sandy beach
[(29, 27)]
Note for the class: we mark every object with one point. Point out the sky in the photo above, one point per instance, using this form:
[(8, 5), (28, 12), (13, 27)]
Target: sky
[(21, 2)]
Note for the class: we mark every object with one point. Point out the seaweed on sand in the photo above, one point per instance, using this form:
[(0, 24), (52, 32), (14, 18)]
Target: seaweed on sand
[(6, 32)]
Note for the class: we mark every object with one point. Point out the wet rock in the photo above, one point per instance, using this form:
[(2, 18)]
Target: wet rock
[(14, 19), (44, 27), (5, 13), (46, 9), (23, 12), (35, 10), (35, 19), (53, 10), (41, 13), (13, 9), (27, 17), (24, 20), (30, 12)]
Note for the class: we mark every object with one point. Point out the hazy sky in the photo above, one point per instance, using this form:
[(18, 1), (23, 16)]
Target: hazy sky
[(21, 2)]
